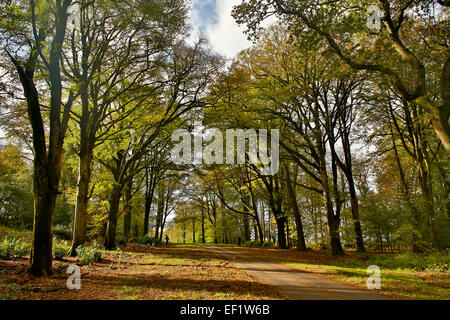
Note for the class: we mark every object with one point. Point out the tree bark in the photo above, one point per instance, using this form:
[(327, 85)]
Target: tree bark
[(281, 228), (44, 207), (301, 244), (127, 211), (333, 221), (246, 227), (348, 171), (80, 220), (203, 225), (114, 202), (149, 195)]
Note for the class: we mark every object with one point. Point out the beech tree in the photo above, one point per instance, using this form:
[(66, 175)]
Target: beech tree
[(389, 51), (114, 55), (44, 47)]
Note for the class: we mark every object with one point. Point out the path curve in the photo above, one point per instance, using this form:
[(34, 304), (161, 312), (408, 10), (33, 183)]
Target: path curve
[(297, 285)]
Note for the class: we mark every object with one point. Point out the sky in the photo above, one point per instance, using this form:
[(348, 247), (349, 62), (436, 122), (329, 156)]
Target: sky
[(213, 19)]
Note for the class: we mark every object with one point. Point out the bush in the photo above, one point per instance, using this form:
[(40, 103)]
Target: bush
[(60, 249), (87, 255), (13, 248), (268, 244), (148, 241), (62, 232), (252, 243)]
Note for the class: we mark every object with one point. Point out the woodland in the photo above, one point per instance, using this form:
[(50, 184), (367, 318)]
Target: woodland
[(92, 91)]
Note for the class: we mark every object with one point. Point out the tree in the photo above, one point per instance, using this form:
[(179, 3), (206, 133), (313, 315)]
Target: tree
[(186, 74), (119, 60), (48, 20), (389, 51)]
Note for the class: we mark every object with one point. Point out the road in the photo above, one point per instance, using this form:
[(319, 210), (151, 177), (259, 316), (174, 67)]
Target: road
[(297, 285)]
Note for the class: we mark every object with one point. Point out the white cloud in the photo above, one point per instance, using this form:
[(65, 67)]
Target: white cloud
[(226, 37), (224, 34)]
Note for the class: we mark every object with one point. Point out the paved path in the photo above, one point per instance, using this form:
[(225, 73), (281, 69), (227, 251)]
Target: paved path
[(297, 285)]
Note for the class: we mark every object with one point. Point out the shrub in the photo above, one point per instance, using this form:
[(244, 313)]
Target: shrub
[(62, 232), (268, 244), (21, 248), (148, 241), (60, 249), (252, 243), (6, 249), (87, 255), (11, 248)]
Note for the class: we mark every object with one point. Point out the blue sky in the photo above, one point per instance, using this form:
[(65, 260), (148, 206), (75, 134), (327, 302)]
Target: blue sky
[(213, 19), (206, 11)]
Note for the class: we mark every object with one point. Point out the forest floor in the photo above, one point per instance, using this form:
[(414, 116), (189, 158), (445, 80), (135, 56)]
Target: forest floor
[(138, 272), (225, 272)]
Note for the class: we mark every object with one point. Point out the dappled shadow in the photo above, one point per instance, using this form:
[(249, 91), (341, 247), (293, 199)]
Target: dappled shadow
[(172, 251), (150, 282)]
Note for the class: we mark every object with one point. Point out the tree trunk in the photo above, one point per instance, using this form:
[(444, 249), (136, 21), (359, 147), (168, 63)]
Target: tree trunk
[(203, 226), (148, 204), (80, 220), (288, 233), (246, 228), (258, 231), (149, 194), (332, 222), (281, 227), (127, 211), (348, 171), (301, 244), (439, 116), (110, 236), (44, 207)]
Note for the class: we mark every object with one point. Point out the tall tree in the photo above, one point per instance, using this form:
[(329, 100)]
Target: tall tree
[(113, 57), (389, 51), (48, 25)]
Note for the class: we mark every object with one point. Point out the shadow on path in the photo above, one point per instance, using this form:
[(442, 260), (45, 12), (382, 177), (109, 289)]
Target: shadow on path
[(297, 284)]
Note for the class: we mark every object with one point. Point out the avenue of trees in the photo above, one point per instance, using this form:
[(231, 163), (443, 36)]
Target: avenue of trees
[(91, 92)]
